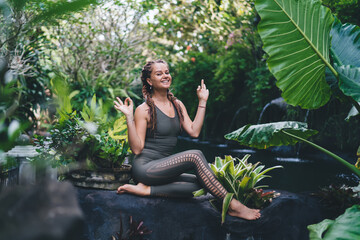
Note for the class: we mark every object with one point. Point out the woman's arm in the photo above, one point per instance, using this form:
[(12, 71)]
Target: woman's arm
[(136, 124), (193, 128)]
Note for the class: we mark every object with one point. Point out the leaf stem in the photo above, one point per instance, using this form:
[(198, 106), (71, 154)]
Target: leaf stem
[(341, 160)]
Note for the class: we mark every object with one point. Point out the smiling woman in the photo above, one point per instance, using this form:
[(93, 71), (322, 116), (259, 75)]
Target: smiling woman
[(153, 133)]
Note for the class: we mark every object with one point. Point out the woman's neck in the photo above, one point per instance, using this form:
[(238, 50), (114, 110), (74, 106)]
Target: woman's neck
[(160, 97)]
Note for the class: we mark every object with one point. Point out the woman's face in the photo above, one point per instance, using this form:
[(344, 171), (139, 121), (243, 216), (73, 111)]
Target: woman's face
[(160, 77)]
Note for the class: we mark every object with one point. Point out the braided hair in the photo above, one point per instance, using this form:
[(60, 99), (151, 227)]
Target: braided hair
[(147, 93)]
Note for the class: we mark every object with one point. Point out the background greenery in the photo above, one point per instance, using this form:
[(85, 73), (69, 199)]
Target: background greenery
[(99, 47)]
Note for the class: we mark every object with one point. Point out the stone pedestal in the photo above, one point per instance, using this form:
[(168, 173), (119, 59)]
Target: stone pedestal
[(27, 170)]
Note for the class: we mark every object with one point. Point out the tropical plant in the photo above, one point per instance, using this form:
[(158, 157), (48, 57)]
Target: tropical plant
[(136, 231), (22, 41), (301, 48), (240, 179), (346, 226), (74, 140), (266, 135), (100, 50), (336, 199), (202, 25), (85, 137), (345, 10)]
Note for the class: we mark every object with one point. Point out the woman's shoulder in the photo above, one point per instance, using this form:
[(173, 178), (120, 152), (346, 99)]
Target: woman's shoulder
[(142, 109), (180, 103), (143, 106)]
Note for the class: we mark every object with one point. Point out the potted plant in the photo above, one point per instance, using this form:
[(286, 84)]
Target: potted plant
[(89, 149)]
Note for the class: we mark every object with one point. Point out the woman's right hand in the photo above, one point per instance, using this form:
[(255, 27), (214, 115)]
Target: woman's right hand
[(126, 107)]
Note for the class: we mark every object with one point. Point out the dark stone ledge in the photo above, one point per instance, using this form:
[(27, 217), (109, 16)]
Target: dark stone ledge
[(183, 219)]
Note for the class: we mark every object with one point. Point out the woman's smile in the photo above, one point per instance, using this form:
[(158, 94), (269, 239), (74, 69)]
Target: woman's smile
[(160, 76)]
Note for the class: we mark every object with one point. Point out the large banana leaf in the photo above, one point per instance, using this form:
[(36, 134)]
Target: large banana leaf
[(296, 36), (345, 43), (345, 50), (349, 80), (270, 134), (346, 226)]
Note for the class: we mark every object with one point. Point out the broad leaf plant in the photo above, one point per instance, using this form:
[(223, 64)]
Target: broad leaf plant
[(240, 180)]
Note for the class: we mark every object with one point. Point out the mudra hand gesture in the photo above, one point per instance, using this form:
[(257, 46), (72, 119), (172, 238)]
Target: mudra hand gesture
[(202, 91), (126, 107)]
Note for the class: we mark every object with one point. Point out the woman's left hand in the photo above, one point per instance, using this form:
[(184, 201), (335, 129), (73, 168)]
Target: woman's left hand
[(202, 91)]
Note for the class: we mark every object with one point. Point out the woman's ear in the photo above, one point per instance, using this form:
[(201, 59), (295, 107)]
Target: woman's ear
[(149, 81)]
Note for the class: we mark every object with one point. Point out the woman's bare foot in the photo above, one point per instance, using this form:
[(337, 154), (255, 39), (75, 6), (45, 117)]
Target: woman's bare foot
[(139, 189), (237, 209)]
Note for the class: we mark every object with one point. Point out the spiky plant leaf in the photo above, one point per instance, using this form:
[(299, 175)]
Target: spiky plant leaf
[(199, 193), (226, 204)]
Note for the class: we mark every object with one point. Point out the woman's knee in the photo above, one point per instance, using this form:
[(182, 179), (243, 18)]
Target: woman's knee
[(197, 155)]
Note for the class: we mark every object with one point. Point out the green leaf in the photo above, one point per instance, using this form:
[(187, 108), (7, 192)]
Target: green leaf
[(229, 185), (296, 36), (232, 169), (266, 135), (226, 204), (258, 169), (240, 173), (119, 132), (346, 226), (349, 80), (73, 93), (225, 167), (218, 163), (345, 43), (261, 175), (59, 8), (215, 170), (243, 184), (199, 193)]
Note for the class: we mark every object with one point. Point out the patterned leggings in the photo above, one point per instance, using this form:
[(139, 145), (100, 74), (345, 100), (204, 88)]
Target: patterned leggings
[(167, 176)]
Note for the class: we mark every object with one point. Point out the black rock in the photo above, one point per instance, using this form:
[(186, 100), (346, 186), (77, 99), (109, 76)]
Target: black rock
[(45, 211), (179, 219)]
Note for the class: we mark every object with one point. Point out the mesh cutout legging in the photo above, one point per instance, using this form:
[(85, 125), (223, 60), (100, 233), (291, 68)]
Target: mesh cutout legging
[(167, 176)]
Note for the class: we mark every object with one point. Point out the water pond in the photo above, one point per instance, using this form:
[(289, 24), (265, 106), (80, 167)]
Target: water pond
[(304, 174)]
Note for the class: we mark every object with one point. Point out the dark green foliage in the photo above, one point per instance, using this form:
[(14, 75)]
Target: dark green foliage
[(106, 152), (230, 74), (22, 42), (51, 10), (346, 226), (86, 143), (345, 10), (188, 75), (337, 198), (65, 145), (259, 199), (261, 85)]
